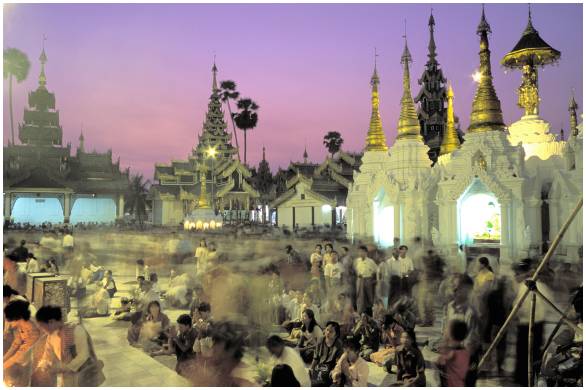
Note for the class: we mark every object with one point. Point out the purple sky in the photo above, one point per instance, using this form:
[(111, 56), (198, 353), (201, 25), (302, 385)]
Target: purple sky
[(138, 76)]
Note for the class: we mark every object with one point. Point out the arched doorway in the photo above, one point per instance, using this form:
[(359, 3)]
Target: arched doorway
[(37, 210), (383, 220), (100, 210), (479, 216)]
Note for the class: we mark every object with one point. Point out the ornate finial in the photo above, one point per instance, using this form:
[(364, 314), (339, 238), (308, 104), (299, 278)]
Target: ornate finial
[(483, 26), (573, 108), (431, 46), (375, 139), (529, 29), (43, 60), (450, 141), (214, 71), (263, 153), (408, 126), (562, 134), (486, 112), (81, 146)]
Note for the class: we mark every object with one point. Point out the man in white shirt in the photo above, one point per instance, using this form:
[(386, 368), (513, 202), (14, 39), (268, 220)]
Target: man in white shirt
[(406, 270), (287, 355), (32, 265), (366, 270)]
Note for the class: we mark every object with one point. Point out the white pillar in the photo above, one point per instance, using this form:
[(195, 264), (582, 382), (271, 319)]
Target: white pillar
[(120, 208), (66, 207), (7, 206)]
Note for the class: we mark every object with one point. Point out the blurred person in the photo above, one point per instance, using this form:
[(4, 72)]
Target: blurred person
[(390, 340), (351, 369), (21, 252), (18, 357), (432, 274), (454, 359), (366, 270), (285, 355), (99, 305), (333, 271), (408, 276), (485, 276), (349, 274), (124, 313), (282, 376), (200, 252), (316, 261), (155, 327), (67, 355), (32, 265), (109, 284)]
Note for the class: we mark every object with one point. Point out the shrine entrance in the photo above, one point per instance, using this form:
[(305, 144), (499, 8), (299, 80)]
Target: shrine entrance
[(93, 208), (479, 216), (37, 210), (383, 220)]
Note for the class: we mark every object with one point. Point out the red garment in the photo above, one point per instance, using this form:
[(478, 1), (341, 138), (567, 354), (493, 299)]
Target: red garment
[(455, 363)]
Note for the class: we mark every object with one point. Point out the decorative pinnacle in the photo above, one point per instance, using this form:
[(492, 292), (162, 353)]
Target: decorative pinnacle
[(431, 47), (486, 112), (529, 29), (483, 26), (263, 153), (43, 60), (305, 155), (573, 107), (214, 71), (408, 126), (450, 141), (375, 139)]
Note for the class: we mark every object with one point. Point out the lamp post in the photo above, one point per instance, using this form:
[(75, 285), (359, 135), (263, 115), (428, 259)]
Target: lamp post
[(211, 153)]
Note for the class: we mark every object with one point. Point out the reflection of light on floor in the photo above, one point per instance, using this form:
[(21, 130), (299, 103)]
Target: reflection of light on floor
[(480, 216)]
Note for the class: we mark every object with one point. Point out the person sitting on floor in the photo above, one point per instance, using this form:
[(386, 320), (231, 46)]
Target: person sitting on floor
[(155, 328), (181, 343), (391, 337), (99, 305), (367, 333), (310, 334), (123, 314), (351, 370), (410, 362), (282, 376), (327, 352)]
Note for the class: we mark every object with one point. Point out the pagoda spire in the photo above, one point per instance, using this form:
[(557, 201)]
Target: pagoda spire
[(81, 147), (573, 108), (375, 140), (431, 47), (486, 112), (214, 71), (263, 153), (305, 155), (408, 126), (450, 140), (43, 60)]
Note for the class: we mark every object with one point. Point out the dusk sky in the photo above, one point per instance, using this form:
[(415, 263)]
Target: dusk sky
[(138, 77)]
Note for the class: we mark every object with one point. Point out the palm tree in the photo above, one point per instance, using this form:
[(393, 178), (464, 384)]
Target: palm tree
[(228, 92), (135, 197), (333, 142), (247, 118), (16, 66)]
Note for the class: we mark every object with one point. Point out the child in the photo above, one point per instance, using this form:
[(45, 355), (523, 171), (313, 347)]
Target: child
[(454, 359), (410, 362)]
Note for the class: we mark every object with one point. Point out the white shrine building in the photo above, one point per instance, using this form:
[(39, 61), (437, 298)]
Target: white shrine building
[(505, 192)]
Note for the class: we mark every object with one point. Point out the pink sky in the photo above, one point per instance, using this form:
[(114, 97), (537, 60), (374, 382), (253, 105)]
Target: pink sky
[(137, 77)]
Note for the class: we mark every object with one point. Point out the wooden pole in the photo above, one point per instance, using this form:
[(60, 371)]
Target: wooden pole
[(530, 340), (544, 261), (562, 314)]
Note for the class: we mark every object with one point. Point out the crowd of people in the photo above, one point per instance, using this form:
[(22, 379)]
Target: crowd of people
[(335, 312)]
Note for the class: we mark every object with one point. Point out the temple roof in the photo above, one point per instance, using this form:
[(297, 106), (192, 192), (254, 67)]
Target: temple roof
[(38, 178)]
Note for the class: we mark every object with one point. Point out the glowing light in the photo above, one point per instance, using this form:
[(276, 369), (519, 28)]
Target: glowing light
[(211, 152), (480, 218), (477, 76), (326, 208)]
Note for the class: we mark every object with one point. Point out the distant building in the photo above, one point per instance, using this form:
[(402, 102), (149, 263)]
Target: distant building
[(43, 182), (210, 177), (315, 194)]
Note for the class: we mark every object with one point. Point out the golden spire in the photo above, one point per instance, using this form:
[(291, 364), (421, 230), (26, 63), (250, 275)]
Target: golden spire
[(450, 141), (573, 117), (408, 123), (486, 108), (43, 59), (375, 140)]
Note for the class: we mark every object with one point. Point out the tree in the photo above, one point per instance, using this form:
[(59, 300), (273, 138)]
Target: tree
[(280, 181), (16, 66), (333, 142), (247, 118), (135, 197), (227, 93), (264, 184)]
